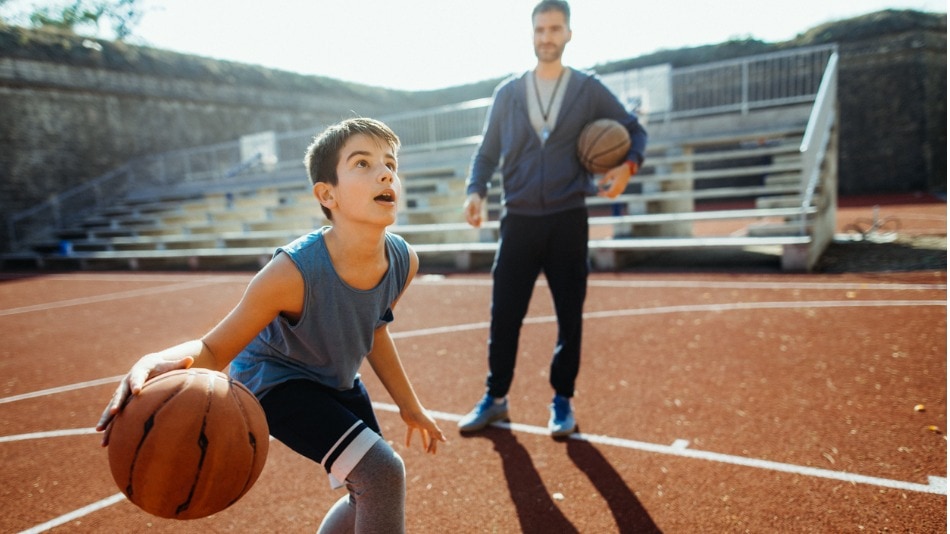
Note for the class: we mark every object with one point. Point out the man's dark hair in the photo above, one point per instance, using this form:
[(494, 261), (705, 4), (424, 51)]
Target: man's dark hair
[(553, 5)]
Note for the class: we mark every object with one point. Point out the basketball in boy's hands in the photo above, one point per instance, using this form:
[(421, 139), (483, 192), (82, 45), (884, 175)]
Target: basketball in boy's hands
[(190, 444), (602, 145)]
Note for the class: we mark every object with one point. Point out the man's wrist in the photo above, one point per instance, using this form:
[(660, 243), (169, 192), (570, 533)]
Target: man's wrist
[(632, 165)]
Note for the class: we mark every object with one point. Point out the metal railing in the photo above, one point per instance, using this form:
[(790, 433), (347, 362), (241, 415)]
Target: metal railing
[(816, 139), (781, 78), (724, 87)]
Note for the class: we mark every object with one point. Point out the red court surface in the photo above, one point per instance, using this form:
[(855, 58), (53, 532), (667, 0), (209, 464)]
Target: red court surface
[(707, 402)]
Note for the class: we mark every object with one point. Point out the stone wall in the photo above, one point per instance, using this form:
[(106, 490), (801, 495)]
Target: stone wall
[(64, 124), (892, 89), (892, 96), (68, 132)]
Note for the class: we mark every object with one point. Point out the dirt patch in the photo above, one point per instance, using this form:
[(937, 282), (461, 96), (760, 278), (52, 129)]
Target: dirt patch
[(905, 253)]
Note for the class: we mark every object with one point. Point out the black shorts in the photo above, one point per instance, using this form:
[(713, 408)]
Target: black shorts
[(333, 428)]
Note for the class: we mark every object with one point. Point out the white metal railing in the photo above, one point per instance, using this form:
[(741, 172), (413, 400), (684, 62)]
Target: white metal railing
[(723, 87), (740, 85), (817, 136)]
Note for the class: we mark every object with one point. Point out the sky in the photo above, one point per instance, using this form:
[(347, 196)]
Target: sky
[(433, 44)]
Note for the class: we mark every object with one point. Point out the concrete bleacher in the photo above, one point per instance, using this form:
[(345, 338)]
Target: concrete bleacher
[(761, 177), (750, 179), (734, 162), (238, 225), (724, 179)]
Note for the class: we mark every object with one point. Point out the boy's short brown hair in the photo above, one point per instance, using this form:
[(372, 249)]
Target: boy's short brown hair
[(323, 154)]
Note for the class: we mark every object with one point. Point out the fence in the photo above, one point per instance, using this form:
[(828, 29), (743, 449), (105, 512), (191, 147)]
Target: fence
[(781, 78), (732, 86)]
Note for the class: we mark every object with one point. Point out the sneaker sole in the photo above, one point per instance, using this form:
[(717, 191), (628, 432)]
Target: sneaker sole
[(476, 428), (563, 433)]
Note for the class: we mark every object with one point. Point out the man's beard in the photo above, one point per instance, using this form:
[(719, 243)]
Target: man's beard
[(549, 53)]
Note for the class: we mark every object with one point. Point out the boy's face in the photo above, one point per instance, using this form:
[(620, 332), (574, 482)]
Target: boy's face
[(367, 188), (551, 35)]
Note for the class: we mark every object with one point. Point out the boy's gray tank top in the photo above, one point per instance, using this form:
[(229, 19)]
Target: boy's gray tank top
[(335, 331)]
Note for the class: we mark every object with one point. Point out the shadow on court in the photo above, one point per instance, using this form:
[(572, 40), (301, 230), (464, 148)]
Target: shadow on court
[(628, 512), (536, 508)]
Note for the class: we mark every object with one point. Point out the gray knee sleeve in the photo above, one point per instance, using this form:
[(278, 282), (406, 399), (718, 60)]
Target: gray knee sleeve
[(378, 488), (340, 519)]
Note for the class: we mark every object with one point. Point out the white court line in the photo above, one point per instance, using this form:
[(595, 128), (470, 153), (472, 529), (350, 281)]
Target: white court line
[(590, 315), (76, 514), (141, 276), (108, 296), (936, 485), (690, 284), (50, 391), (686, 308), (693, 284), (679, 448), (438, 281), (765, 306), (441, 330), (50, 434)]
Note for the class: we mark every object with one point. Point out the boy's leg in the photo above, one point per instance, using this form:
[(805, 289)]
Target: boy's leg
[(341, 518), (378, 488), (376, 500), (328, 426)]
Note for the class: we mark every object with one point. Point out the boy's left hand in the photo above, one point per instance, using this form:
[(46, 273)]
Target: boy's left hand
[(428, 429)]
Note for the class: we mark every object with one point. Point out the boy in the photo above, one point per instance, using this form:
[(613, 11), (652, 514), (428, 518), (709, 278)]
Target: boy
[(309, 318)]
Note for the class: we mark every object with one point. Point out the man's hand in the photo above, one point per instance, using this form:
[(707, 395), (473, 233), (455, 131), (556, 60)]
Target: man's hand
[(473, 210), (615, 180)]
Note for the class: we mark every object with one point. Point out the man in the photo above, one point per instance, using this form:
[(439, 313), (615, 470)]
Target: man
[(531, 131)]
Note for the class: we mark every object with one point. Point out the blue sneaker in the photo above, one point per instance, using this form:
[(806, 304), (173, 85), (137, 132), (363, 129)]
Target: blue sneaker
[(486, 412), (562, 417)]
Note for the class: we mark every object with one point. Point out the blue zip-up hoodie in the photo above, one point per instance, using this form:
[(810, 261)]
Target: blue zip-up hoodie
[(544, 179)]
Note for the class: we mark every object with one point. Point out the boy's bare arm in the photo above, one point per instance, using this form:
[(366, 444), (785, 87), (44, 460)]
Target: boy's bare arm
[(278, 288), (388, 367)]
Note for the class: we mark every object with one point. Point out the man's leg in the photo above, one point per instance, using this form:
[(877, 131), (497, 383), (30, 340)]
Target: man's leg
[(566, 268), (514, 274)]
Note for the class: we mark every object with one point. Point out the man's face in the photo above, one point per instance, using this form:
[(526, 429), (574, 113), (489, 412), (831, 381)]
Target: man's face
[(551, 35)]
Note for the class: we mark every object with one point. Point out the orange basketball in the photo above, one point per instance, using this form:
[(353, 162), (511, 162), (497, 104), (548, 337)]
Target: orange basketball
[(602, 145), (189, 445)]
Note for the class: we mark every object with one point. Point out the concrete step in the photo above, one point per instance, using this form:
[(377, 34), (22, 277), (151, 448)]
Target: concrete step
[(778, 229), (778, 201)]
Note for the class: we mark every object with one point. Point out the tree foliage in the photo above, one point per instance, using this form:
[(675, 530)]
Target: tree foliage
[(89, 17)]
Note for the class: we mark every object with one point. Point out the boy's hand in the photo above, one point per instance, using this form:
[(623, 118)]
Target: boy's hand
[(428, 429), (147, 367)]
